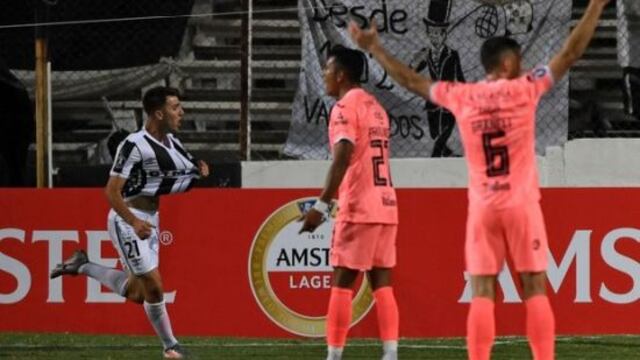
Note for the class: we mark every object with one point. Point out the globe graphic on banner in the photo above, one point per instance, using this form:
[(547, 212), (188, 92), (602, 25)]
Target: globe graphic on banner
[(487, 22)]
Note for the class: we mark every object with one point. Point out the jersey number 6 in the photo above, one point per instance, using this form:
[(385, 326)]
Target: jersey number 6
[(497, 157)]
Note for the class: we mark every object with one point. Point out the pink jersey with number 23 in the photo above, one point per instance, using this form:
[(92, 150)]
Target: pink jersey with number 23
[(366, 194)]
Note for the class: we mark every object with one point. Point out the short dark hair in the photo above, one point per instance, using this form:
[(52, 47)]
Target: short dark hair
[(155, 98), (494, 49), (350, 60)]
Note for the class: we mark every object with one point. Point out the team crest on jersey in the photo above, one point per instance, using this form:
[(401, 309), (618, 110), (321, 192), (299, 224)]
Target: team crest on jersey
[(290, 274), (341, 119)]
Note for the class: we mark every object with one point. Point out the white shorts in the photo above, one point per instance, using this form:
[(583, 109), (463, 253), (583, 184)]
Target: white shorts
[(138, 256)]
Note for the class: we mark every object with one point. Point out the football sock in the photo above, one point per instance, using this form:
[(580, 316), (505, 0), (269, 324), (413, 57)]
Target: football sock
[(387, 311), (334, 353), (338, 316), (116, 280), (481, 328), (390, 346), (540, 327), (159, 318)]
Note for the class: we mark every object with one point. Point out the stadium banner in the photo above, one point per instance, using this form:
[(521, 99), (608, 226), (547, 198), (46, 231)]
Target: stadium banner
[(441, 39), (233, 265)]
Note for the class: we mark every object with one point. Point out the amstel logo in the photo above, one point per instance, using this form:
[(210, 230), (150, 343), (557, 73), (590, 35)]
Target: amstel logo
[(290, 274)]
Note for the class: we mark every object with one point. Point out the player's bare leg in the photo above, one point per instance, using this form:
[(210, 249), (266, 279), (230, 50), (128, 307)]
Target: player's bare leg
[(144, 289), (387, 311), (135, 290), (540, 319), (344, 278), (481, 329), (339, 312)]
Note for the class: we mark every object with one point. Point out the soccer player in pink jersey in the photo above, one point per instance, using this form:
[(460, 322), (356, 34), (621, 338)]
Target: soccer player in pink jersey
[(496, 118), (365, 230)]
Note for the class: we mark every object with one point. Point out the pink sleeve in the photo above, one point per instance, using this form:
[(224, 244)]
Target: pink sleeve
[(344, 123), (443, 93), (540, 80)]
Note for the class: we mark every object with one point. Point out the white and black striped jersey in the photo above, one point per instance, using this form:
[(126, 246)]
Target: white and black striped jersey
[(153, 168)]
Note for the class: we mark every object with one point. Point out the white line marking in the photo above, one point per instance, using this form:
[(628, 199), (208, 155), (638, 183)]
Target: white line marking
[(359, 344)]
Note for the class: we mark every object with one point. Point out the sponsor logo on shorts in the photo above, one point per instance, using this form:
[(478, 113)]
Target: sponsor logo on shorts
[(536, 244), (290, 274)]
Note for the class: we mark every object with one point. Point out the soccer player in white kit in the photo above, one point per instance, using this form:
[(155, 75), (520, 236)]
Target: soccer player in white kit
[(148, 164)]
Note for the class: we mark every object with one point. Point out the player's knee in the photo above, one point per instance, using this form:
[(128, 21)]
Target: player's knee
[(379, 278), (137, 298), (483, 286), (533, 284), (154, 292), (344, 278), (153, 296), (531, 289), (344, 283), (136, 295), (486, 292)]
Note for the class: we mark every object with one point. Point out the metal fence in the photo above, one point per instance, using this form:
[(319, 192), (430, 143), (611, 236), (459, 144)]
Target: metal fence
[(440, 39), (605, 84), (250, 70)]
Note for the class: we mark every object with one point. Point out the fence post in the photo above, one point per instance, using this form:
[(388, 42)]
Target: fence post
[(245, 81), (41, 95)]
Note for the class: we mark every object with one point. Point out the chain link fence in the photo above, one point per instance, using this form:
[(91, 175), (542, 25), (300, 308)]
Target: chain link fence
[(100, 60), (440, 39), (605, 85), (105, 55)]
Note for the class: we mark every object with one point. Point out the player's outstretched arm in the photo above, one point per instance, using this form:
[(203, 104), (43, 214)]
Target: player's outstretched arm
[(369, 41), (578, 41)]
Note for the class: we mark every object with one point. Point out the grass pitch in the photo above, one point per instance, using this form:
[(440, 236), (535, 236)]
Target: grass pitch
[(68, 346)]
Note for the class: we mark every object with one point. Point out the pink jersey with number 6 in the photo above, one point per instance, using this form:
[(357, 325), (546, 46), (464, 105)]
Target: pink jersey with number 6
[(496, 120), (366, 194)]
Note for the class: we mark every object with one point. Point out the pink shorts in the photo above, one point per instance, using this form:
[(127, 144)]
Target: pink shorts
[(363, 246), (491, 232)]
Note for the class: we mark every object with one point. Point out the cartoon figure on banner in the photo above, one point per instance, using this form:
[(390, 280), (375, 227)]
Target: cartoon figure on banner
[(518, 18), (443, 63)]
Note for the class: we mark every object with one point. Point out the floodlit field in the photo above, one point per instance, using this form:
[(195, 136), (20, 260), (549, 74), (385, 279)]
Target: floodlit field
[(66, 346)]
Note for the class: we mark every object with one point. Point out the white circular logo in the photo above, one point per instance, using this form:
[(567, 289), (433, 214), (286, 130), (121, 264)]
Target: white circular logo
[(290, 274), (166, 237)]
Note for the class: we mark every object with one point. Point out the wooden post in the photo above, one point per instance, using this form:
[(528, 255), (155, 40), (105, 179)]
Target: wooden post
[(42, 95)]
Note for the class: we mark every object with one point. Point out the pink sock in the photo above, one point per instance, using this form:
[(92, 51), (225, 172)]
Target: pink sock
[(540, 327), (339, 316), (481, 328), (387, 309)]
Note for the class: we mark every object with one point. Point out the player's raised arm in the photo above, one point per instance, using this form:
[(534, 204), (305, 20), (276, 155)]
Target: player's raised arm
[(369, 41), (578, 40)]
